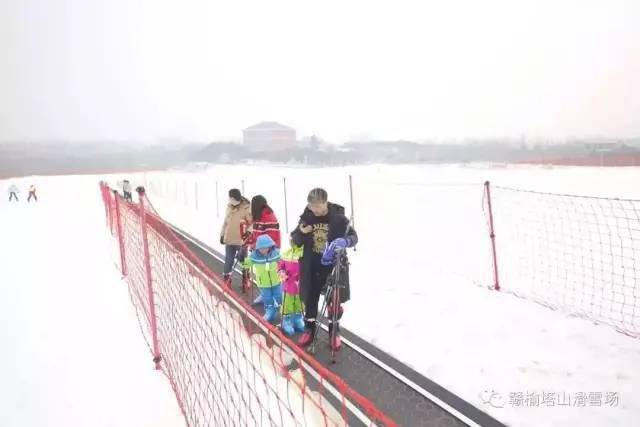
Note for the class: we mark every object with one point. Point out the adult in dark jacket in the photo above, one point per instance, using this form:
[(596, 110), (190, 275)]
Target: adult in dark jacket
[(323, 227)]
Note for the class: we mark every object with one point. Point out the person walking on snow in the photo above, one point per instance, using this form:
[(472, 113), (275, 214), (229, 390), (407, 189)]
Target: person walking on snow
[(292, 308), (323, 228), (263, 262), (32, 193), (238, 210), (13, 192)]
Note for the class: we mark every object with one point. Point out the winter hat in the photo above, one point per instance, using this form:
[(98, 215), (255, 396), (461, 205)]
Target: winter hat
[(234, 193), (265, 241)]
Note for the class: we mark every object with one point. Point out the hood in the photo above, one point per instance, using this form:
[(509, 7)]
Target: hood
[(265, 241)]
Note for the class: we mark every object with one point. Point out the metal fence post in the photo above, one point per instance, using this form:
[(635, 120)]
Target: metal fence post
[(353, 215), (492, 235), (217, 201), (286, 207), (147, 264), (195, 192)]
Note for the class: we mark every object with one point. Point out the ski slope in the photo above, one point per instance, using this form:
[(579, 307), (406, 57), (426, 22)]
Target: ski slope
[(421, 274), (72, 353)]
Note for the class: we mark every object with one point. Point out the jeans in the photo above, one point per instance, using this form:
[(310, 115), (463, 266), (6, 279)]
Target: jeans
[(229, 257)]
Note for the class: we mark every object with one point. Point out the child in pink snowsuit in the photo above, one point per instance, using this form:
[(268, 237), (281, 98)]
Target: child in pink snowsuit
[(292, 308)]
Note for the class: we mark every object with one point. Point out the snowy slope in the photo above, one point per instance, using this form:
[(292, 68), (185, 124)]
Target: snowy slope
[(72, 353), (424, 250)]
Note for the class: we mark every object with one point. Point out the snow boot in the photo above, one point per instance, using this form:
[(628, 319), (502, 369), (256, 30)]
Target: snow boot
[(298, 322), (287, 325), (269, 313), (258, 299), (307, 337)]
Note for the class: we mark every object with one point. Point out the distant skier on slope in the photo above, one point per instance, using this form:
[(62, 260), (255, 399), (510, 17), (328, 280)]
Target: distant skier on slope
[(32, 193), (13, 192), (322, 229), (126, 190)]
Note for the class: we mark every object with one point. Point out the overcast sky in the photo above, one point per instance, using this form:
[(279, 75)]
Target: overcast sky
[(204, 70)]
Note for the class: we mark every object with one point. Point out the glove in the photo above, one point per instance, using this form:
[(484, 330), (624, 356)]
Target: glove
[(222, 240), (329, 255)]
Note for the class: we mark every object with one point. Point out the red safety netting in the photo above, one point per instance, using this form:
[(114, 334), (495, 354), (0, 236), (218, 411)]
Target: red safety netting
[(575, 253), (226, 365)]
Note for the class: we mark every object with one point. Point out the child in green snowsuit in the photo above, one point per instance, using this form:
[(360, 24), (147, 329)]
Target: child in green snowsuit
[(263, 261)]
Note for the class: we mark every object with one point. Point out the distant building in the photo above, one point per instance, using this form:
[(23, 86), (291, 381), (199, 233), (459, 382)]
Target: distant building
[(603, 145), (269, 136)]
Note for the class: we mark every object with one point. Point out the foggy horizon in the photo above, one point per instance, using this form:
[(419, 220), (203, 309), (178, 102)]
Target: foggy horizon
[(196, 72)]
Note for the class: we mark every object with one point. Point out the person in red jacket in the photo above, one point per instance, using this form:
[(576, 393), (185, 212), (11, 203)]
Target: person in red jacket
[(263, 221)]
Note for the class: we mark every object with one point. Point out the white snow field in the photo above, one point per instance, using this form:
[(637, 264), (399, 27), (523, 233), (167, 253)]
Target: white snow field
[(421, 275), (72, 353)]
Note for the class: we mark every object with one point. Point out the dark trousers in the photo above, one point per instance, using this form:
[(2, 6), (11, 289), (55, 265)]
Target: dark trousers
[(127, 196), (312, 294), (13, 195), (32, 194), (229, 257)]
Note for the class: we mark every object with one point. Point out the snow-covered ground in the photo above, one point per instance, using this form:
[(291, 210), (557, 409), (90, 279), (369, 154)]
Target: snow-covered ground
[(420, 277), (72, 353)]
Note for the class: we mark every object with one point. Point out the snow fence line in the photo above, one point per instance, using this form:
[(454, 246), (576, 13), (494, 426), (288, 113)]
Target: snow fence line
[(226, 365)]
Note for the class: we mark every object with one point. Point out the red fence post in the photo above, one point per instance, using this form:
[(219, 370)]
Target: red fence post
[(123, 258), (106, 196), (105, 200), (492, 234), (147, 264)]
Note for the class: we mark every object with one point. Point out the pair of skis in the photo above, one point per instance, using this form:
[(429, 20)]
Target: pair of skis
[(332, 294), (332, 300), (246, 272)]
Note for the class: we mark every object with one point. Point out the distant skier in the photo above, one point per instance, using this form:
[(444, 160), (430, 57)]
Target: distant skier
[(32, 193), (13, 192), (126, 190), (323, 228)]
